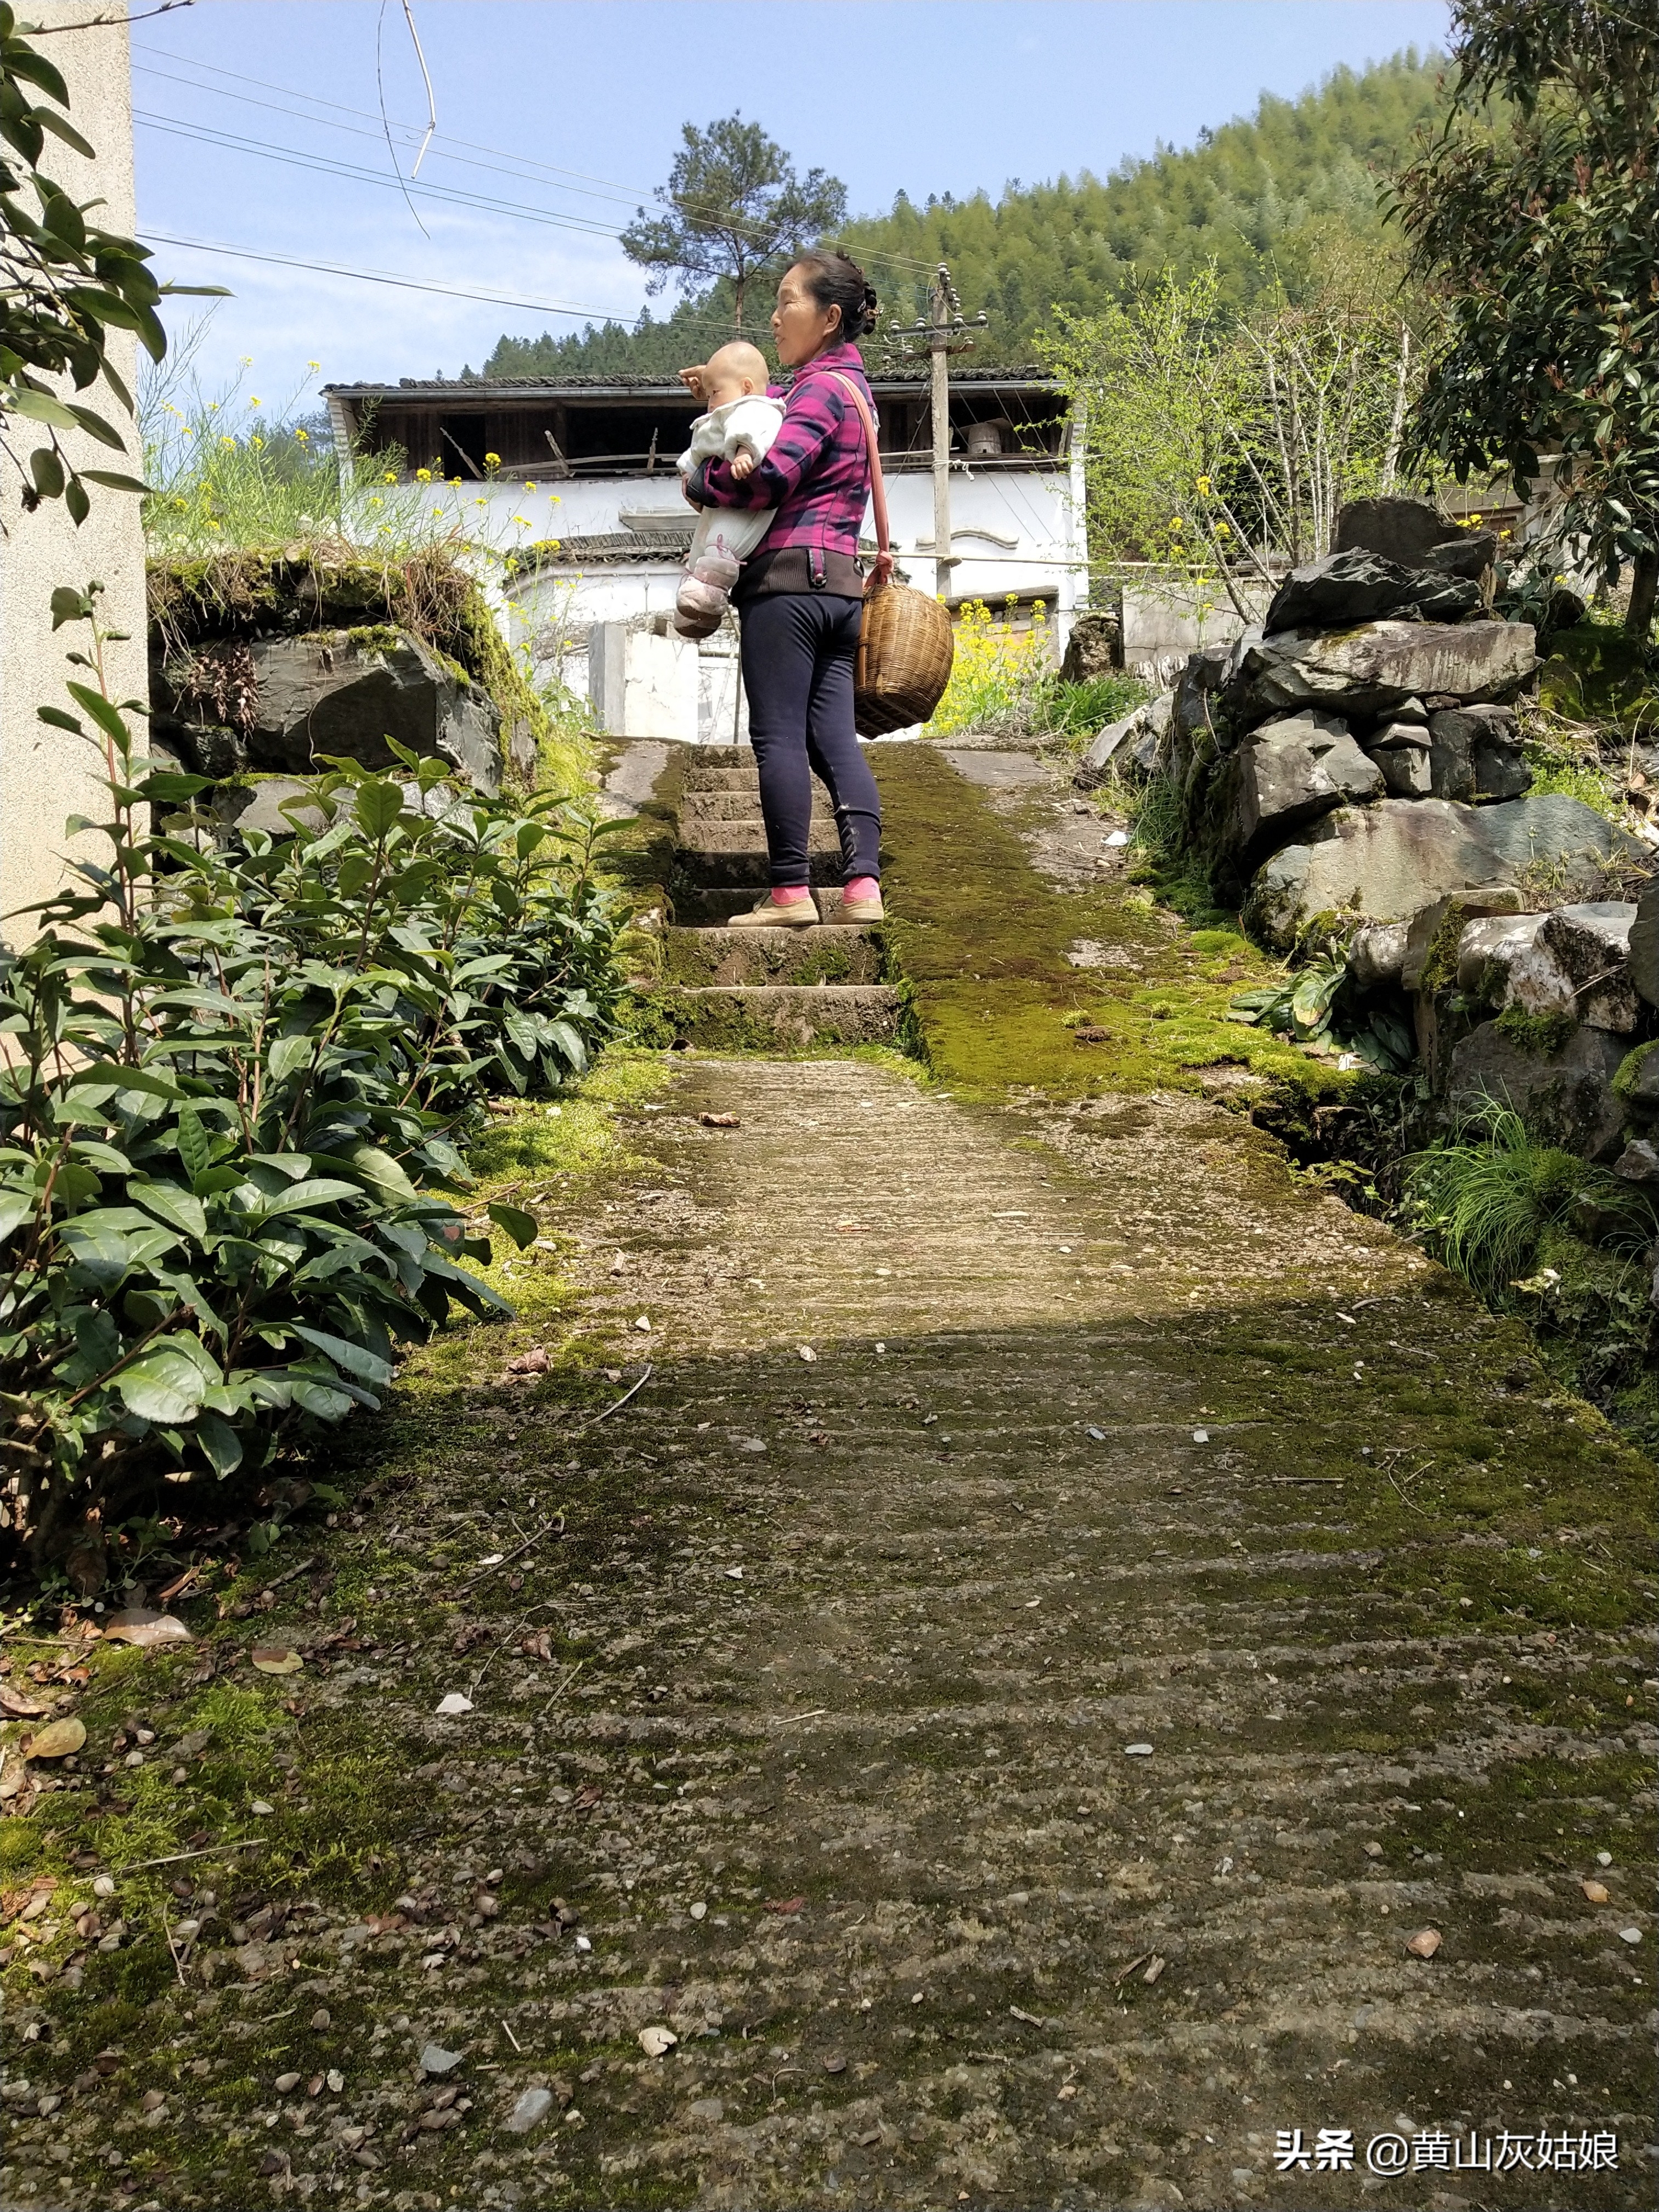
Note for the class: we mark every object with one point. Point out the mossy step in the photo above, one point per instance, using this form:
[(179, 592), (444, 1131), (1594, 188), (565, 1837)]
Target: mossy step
[(838, 953), (710, 905), (761, 1018), (713, 840), (706, 806), (725, 773)]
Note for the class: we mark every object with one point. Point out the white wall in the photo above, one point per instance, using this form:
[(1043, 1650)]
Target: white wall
[(46, 775)]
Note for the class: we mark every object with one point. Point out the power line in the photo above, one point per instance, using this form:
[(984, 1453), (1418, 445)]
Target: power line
[(354, 172), (415, 283), (521, 165)]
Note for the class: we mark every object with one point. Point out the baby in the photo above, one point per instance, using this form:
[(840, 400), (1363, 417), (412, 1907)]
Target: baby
[(738, 428)]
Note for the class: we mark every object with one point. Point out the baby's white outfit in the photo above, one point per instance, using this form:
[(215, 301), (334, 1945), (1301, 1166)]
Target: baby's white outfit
[(742, 426), (724, 537)]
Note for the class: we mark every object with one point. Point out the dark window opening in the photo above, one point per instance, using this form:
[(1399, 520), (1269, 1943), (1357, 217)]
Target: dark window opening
[(462, 444)]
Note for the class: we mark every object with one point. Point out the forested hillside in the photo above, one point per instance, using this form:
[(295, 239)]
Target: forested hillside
[(1264, 197)]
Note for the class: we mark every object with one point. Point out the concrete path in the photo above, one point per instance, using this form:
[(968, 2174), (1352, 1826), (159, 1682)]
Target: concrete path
[(1089, 1676), (1022, 1736)]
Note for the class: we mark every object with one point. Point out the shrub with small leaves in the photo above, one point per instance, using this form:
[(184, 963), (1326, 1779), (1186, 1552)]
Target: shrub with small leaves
[(235, 1079)]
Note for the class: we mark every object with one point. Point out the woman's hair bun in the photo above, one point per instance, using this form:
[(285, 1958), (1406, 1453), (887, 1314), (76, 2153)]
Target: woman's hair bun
[(835, 280)]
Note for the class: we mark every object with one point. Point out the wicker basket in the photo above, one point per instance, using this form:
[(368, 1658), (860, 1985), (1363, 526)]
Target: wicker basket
[(905, 650), (906, 645)]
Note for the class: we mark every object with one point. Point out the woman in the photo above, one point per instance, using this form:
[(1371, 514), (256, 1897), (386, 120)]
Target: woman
[(801, 596)]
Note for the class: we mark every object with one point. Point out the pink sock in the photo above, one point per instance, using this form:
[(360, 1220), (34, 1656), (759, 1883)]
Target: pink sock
[(862, 887), (789, 894)]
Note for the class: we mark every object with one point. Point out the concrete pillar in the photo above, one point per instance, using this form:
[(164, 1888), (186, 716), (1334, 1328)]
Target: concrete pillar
[(46, 775)]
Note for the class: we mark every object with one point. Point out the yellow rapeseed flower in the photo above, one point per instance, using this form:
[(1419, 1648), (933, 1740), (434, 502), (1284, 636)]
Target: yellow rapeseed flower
[(314, 364), (492, 460), (304, 436), (252, 402), (455, 484), (530, 487), (389, 477), (258, 444), (423, 476), (1204, 486), (227, 441)]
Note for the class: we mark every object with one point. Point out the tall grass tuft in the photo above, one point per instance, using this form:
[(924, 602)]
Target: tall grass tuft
[(1486, 1196)]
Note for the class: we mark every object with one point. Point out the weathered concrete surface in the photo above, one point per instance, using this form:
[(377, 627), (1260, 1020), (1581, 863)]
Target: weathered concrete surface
[(861, 1643)]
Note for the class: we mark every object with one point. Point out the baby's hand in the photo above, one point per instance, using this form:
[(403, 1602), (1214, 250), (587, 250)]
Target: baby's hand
[(743, 465)]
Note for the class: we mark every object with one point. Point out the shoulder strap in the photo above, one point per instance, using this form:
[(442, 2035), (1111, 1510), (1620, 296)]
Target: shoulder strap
[(884, 568)]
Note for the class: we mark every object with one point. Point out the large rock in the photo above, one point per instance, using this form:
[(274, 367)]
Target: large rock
[(1590, 943), (1487, 950), (1094, 648), (1402, 751), (1643, 946), (1414, 534), (1377, 667), (333, 691), (1475, 753), (1289, 772), (1566, 1097), (1359, 586), (1386, 862)]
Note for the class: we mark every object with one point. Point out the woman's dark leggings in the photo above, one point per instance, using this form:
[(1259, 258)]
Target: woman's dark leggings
[(798, 650)]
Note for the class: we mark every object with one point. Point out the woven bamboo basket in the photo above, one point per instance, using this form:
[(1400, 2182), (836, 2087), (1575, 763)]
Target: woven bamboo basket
[(906, 647)]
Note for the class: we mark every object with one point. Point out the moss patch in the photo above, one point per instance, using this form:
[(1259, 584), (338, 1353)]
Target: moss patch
[(1541, 1035), (980, 937)]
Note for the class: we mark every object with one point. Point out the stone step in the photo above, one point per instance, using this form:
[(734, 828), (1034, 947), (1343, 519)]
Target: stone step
[(706, 806), (720, 772), (839, 953), (703, 842), (737, 886), (706, 899), (740, 1017)]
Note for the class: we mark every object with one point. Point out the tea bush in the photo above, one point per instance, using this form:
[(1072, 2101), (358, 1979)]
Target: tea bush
[(235, 1081)]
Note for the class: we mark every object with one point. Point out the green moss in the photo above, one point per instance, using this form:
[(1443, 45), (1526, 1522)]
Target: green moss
[(1541, 1035), (375, 637), (1440, 962), (1629, 1075), (980, 939)]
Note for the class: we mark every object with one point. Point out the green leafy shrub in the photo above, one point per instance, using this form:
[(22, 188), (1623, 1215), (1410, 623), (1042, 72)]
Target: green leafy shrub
[(234, 1090)]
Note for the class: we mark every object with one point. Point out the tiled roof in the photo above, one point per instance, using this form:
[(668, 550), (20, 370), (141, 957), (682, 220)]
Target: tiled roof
[(616, 546), (528, 387)]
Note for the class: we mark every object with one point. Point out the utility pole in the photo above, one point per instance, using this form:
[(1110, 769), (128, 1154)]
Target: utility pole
[(945, 330)]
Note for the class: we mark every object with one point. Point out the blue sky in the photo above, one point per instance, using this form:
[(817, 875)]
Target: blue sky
[(569, 111)]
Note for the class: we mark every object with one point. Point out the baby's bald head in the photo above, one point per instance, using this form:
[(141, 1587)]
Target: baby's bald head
[(734, 371)]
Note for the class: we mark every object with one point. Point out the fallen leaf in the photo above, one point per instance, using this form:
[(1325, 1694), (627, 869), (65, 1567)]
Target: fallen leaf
[(533, 1361), (657, 2042), (276, 1659), (588, 1796), (1091, 1033), (785, 1903), (539, 1644), (1425, 1943), (56, 1740), (1596, 1892), (719, 1120), (145, 1629), (18, 1707), (455, 1701)]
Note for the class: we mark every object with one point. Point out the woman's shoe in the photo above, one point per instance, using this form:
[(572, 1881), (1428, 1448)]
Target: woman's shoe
[(799, 913), (858, 910)]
